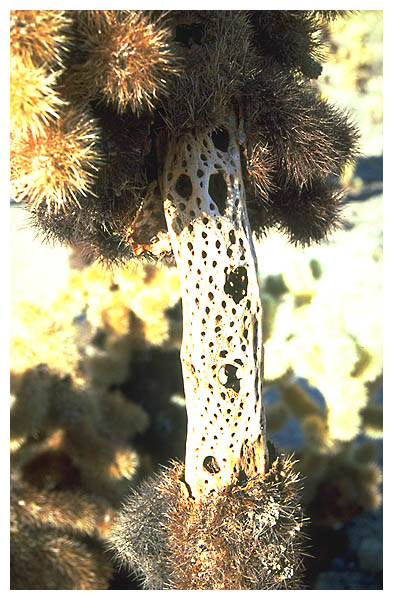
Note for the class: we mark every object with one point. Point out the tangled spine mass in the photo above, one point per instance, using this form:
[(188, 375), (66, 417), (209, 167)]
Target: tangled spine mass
[(245, 537), (130, 76)]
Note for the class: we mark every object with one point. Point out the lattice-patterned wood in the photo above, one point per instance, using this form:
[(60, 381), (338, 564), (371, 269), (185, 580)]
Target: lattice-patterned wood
[(204, 204)]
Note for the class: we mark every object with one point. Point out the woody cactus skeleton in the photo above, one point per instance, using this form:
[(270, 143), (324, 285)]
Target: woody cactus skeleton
[(180, 134), (221, 355)]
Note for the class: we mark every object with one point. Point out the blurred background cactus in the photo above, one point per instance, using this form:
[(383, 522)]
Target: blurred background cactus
[(81, 433), (96, 388)]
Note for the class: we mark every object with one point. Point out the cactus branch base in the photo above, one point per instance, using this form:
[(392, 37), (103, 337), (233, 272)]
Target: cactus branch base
[(244, 537)]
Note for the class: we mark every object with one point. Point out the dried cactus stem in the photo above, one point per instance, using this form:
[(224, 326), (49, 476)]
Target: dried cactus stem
[(205, 209)]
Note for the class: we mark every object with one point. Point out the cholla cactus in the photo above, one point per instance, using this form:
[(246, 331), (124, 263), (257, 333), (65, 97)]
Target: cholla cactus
[(57, 539), (208, 130)]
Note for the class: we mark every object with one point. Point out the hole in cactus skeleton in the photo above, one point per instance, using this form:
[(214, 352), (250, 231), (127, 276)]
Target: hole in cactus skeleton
[(184, 186), (218, 191), (211, 465), (242, 478), (220, 139), (236, 283), (227, 376)]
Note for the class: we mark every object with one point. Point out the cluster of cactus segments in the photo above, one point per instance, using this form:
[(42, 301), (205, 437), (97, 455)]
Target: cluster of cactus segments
[(177, 135)]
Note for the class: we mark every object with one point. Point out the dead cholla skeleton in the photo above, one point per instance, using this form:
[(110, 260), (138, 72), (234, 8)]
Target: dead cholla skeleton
[(201, 129), (222, 316)]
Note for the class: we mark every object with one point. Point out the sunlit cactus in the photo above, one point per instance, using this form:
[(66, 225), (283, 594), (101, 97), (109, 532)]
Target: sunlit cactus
[(127, 57), (194, 131), (245, 538), (41, 36), (35, 103), (188, 69), (38, 44), (59, 165)]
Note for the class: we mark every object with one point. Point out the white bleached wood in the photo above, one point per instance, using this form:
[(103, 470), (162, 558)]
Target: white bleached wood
[(205, 209)]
